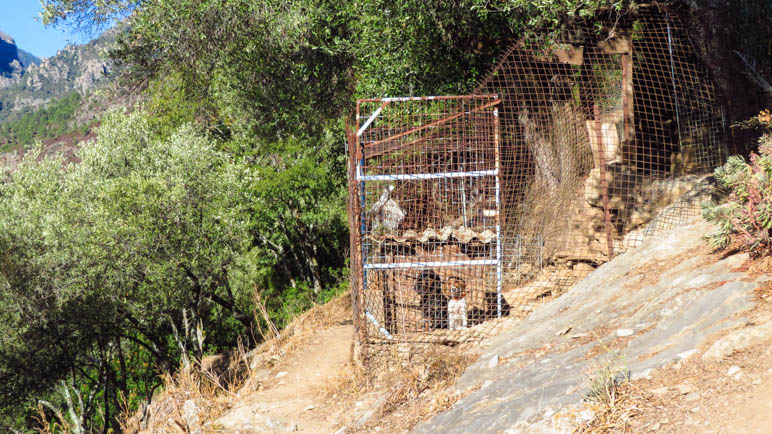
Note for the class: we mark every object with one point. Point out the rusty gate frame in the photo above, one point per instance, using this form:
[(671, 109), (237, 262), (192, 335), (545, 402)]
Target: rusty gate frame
[(357, 153)]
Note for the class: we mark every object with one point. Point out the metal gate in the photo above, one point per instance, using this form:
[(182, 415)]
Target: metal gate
[(426, 204)]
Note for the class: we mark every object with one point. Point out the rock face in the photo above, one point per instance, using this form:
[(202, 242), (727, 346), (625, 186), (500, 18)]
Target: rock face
[(669, 297), (78, 68), (10, 65)]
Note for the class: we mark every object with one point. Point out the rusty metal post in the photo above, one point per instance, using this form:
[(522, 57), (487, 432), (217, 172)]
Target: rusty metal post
[(354, 265), (357, 199)]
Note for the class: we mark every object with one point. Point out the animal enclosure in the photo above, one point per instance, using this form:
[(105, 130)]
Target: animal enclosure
[(429, 205), (465, 209)]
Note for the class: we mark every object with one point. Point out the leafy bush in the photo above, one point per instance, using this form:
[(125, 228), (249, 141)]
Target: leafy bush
[(108, 267), (747, 217)]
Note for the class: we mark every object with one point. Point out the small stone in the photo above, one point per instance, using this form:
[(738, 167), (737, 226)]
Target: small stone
[(692, 396), (686, 354), (659, 391), (309, 408), (646, 373), (695, 409), (684, 389), (190, 412), (624, 332), (282, 374), (579, 335), (486, 384), (655, 427), (733, 371), (359, 404), (586, 415), (494, 361), (366, 417)]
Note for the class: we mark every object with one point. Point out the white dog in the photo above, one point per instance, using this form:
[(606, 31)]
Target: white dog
[(457, 304)]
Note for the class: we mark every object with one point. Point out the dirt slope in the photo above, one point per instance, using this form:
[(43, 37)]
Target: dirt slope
[(699, 360), (292, 396)]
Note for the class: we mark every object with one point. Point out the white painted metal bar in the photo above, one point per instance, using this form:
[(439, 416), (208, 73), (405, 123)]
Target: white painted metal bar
[(428, 98), (370, 120), (499, 271), (431, 264), (420, 176), (377, 325)]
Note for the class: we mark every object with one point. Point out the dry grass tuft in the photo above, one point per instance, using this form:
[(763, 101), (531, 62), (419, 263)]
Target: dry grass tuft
[(609, 394), (417, 389), (615, 415), (192, 397), (440, 370)]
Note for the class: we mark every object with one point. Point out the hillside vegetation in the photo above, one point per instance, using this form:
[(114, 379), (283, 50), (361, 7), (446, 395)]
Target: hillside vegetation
[(53, 120), (216, 208), (60, 95)]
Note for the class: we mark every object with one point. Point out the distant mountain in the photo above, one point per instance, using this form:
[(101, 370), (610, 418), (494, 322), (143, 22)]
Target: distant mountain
[(28, 59), (10, 65), (53, 100), (28, 83)]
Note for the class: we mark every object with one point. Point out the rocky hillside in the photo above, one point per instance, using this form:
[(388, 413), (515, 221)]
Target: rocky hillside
[(53, 100), (13, 61), (643, 320), (28, 83), (670, 337)]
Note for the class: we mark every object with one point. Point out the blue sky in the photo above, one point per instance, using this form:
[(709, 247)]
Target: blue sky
[(18, 19)]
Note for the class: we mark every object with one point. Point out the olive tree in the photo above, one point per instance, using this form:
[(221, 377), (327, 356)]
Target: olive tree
[(107, 267)]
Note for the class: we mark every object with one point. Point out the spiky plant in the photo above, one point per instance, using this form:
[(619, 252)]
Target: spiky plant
[(747, 216)]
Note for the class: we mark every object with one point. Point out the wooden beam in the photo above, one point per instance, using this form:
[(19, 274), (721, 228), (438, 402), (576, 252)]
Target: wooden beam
[(564, 53), (628, 139), (620, 45)]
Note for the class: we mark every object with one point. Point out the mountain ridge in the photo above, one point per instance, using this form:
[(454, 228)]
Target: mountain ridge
[(28, 82)]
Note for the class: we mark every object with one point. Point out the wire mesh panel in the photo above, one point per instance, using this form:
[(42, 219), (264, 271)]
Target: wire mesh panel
[(588, 149), (428, 175), (604, 143)]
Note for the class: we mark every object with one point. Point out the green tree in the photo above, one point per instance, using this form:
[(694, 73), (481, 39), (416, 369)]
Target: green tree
[(118, 260)]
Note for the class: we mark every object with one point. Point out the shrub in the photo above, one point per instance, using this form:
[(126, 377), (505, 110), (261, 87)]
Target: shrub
[(747, 216)]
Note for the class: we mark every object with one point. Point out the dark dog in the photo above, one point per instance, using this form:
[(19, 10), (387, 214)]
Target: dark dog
[(433, 304), (476, 315)]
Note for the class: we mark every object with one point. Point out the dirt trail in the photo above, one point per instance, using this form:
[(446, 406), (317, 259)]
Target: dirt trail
[(749, 411), (292, 396), (307, 370)]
